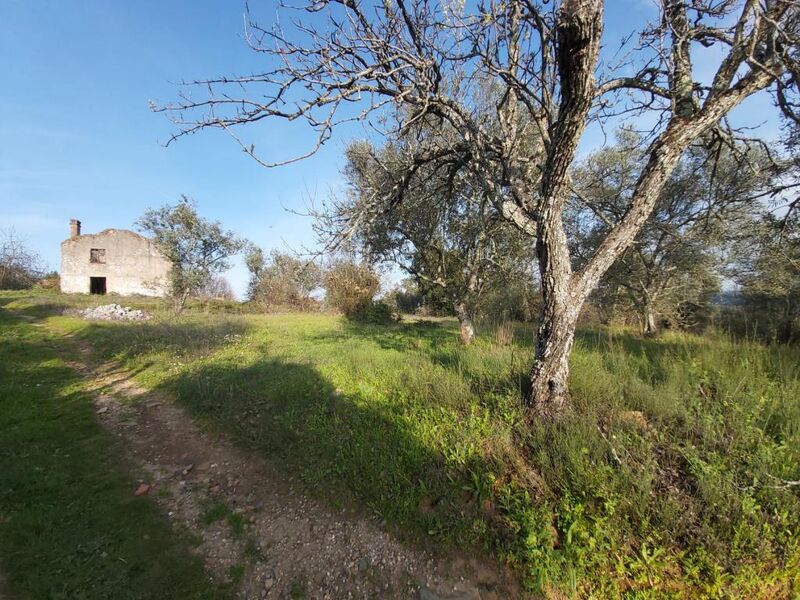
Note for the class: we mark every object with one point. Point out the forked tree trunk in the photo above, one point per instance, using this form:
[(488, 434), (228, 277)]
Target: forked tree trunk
[(466, 329), (580, 26), (548, 392)]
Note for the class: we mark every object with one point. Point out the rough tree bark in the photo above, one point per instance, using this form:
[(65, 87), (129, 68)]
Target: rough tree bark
[(649, 325), (466, 328), (580, 26), (564, 292)]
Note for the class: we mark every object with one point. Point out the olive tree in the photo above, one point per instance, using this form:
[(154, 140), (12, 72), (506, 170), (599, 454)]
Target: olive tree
[(444, 231), (767, 254), (196, 248), (350, 60), (676, 258), (769, 277)]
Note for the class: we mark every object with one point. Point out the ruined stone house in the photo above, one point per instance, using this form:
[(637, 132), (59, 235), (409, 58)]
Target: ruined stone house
[(114, 261)]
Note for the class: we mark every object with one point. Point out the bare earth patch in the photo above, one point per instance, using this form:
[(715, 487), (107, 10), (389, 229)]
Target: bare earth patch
[(257, 530)]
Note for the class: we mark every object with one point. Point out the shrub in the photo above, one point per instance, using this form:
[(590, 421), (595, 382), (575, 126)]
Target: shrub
[(405, 298), (283, 281), (50, 281), (376, 313), (351, 287), (19, 267)]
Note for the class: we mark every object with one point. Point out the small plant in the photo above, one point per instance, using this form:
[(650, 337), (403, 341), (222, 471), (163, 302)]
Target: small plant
[(218, 511), (297, 591)]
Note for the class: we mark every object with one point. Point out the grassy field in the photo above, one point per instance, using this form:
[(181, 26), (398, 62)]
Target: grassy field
[(70, 526), (671, 478)]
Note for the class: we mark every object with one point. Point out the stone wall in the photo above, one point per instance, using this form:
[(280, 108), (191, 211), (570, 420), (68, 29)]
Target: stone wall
[(132, 264)]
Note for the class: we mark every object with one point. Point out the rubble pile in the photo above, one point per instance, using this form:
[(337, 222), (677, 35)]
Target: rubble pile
[(114, 312)]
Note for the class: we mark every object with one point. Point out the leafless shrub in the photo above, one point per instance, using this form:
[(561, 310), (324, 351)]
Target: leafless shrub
[(217, 288), (20, 268), (350, 286)]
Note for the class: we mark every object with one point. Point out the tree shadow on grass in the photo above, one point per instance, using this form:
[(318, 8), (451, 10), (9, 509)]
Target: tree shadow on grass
[(400, 337), (184, 338), (343, 447), (65, 492)]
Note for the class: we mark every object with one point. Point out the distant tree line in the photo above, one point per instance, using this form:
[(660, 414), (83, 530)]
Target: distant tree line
[(283, 281)]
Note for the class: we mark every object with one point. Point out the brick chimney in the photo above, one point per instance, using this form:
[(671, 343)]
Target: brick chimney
[(74, 228)]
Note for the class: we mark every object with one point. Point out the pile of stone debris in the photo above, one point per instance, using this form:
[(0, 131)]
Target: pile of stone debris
[(114, 312)]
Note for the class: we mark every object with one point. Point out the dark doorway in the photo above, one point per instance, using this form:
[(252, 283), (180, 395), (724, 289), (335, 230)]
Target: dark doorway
[(97, 285)]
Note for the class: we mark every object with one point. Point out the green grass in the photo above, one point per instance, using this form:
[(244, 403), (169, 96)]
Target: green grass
[(219, 511), (70, 526), (665, 481)]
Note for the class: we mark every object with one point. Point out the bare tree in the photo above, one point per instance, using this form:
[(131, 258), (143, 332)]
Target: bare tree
[(20, 268), (216, 288), (349, 60), (282, 281)]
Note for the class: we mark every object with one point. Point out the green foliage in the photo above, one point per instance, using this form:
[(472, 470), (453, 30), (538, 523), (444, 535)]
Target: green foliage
[(219, 511), (195, 247), (405, 298), (672, 271), (769, 275), (668, 479), (70, 526), (440, 225), (375, 313)]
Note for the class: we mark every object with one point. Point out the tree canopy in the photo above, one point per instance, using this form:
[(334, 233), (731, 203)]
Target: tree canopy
[(196, 247), (396, 64)]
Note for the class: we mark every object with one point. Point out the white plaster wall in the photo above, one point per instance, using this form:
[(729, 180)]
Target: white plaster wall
[(133, 264)]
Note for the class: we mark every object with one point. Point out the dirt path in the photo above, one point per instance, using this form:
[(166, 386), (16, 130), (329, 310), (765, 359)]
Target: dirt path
[(256, 529)]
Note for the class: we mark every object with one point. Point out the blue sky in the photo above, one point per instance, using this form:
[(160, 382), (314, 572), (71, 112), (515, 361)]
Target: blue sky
[(77, 139)]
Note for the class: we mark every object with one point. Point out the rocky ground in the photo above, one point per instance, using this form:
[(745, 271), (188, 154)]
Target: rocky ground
[(259, 530)]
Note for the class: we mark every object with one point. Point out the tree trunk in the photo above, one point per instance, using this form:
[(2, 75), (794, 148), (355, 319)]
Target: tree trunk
[(548, 393), (180, 302), (649, 325), (580, 27), (785, 332), (467, 331)]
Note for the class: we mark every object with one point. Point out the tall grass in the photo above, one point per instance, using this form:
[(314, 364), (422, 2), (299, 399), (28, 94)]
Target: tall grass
[(668, 478)]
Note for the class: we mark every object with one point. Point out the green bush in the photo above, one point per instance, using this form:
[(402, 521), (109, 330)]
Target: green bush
[(375, 313)]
